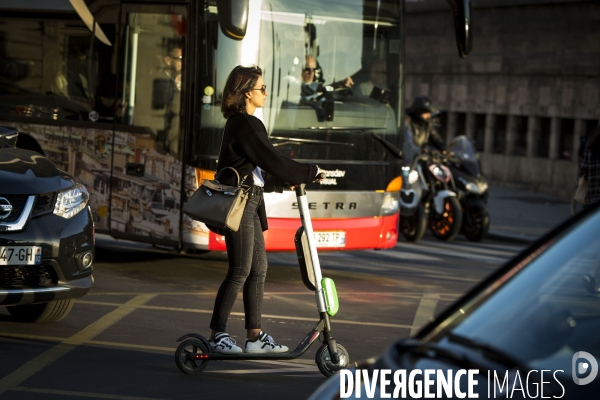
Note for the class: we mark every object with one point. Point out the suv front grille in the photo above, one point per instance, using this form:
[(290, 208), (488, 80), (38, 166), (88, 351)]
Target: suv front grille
[(26, 275), (44, 203), (17, 201)]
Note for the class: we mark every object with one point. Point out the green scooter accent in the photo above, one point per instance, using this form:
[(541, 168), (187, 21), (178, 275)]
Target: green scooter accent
[(331, 298)]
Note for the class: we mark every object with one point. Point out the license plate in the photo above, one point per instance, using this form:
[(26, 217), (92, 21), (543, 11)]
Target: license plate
[(20, 255), (330, 239)]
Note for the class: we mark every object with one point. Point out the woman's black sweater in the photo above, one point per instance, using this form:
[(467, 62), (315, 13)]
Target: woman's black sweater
[(246, 145)]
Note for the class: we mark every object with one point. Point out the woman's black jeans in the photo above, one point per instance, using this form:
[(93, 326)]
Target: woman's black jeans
[(247, 267)]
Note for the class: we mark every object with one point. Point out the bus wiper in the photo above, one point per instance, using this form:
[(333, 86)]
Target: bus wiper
[(396, 152), (286, 140)]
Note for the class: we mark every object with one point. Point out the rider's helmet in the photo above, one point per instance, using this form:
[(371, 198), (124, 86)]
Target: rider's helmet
[(420, 106)]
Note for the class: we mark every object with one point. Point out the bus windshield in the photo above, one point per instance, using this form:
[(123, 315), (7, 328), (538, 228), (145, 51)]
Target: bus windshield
[(331, 70)]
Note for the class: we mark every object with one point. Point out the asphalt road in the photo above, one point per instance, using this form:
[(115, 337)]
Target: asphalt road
[(118, 341)]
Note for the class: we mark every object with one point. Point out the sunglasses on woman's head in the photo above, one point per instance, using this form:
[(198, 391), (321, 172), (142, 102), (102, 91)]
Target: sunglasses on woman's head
[(263, 89)]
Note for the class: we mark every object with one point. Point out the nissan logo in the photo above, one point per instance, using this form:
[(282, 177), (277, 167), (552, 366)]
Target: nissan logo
[(5, 208)]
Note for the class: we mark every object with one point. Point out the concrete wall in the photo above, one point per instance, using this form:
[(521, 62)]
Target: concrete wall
[(527, 92)]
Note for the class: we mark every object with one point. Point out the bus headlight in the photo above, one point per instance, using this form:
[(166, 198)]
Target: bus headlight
[(69, 202), (390, 203)]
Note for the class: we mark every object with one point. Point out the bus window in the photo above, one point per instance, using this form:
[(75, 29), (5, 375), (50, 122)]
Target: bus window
[(327, 65), (55, 68), (153, 42)]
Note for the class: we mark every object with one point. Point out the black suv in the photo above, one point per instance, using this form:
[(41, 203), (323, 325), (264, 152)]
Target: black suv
[(46, 235)]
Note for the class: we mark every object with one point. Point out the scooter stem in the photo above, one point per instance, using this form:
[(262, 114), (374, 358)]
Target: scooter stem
[(307, 224)]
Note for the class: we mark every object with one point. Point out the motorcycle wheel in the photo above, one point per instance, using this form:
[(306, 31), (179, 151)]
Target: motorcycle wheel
[(447, 225), (413, 227), (480, 224)]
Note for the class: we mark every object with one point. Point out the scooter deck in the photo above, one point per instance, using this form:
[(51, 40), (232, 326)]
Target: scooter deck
[(302, 347)]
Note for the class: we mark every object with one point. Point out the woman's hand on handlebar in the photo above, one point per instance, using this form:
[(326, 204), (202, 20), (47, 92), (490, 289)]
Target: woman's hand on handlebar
[(318, 178), (320, 175)]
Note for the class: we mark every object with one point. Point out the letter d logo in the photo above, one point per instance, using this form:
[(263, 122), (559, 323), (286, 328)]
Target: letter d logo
[(582, 367)]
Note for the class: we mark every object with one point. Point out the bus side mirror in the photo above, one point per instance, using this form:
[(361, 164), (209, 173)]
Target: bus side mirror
[(461, 9), (233, 17)]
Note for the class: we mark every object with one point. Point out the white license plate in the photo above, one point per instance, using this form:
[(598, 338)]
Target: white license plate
[(20, 255), (330, 239)]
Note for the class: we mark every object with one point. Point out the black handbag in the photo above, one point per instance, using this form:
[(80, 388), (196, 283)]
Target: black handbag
[(219, 205)]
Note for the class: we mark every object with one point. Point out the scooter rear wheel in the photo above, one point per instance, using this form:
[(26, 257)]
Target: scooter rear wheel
[(184, 356), (323, 359)]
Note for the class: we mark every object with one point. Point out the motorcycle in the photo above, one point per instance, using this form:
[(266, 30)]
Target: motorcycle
[(427, 195), (472, 188), (445, 217)]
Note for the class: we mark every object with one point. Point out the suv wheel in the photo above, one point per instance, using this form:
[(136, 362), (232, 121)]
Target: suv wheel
[(42, 312)]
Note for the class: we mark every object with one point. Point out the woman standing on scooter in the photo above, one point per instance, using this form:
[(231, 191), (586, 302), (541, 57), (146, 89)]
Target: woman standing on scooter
[(246, 147)]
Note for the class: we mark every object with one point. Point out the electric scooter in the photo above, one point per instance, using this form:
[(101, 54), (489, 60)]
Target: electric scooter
[(194, 352)]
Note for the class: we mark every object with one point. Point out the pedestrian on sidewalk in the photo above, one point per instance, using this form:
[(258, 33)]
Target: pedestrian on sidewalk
[(590, 168)]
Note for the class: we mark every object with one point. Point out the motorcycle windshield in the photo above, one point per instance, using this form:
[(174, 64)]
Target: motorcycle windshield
[(409, 149), (462, 147)]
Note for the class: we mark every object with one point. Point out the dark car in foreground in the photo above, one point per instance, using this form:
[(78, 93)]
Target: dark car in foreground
[(530, 330), (46, 235)]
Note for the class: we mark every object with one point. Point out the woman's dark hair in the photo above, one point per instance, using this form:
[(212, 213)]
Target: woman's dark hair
[(240, 80)]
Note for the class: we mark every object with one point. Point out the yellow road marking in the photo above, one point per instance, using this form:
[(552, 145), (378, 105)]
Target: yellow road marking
[(36, 364), (78, 394), (240, 314), (136, 347)]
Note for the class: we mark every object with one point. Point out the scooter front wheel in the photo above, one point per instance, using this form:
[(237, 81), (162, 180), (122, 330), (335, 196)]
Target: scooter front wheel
[(323, 359), (186, 356)]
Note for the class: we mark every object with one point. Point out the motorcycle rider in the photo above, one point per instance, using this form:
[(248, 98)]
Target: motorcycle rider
[(420, 123)]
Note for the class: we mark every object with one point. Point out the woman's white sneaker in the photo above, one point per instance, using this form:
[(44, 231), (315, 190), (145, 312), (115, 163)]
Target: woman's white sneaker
[(224, 344), (264, 344)]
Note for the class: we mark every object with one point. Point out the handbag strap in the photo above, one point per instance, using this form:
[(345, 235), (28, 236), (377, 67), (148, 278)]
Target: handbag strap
[(234, 170), (239, 182)]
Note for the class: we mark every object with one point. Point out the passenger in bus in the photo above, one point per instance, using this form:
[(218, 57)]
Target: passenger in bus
[(166, 95), (374, 75), (312, 88), (174, 62), (420, 125), (246, 147)]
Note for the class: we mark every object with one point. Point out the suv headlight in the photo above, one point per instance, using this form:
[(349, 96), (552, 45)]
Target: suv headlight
[(69, 202), (390, 203)]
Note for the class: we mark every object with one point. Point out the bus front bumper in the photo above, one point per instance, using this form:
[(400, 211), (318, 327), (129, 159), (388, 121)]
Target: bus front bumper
[(360, 233)]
